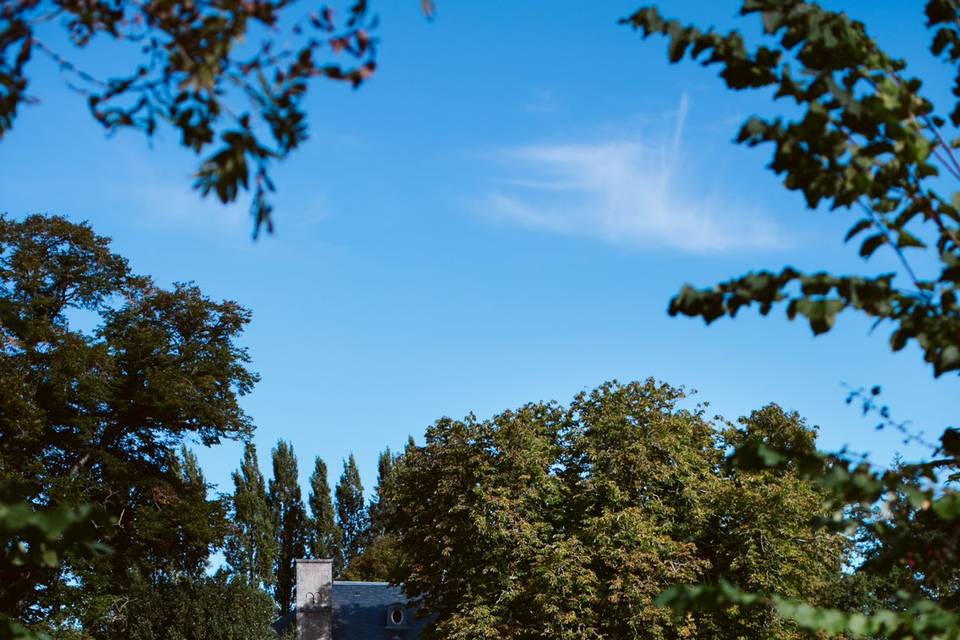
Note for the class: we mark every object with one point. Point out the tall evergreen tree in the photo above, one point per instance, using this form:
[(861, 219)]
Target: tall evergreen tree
[(251, 544), (324, 537), (290, 522), (352, 518)]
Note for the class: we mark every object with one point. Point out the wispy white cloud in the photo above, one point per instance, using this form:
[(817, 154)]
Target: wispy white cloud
[(543, 102), (633, 191)]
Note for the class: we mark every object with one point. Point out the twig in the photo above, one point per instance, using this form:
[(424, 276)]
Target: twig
[(903, 259)]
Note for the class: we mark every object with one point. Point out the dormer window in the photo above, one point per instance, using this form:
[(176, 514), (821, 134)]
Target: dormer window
[(396, 616)]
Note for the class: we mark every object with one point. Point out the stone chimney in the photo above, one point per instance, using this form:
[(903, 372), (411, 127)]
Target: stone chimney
[(314, 596)]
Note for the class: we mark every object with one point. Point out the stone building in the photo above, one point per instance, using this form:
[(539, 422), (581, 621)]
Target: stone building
[(328, 609)]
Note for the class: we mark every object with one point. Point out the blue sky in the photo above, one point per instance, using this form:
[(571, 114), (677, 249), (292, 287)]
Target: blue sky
[(500, 216)]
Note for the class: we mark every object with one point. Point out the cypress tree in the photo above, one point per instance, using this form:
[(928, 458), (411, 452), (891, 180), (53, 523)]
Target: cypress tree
[(251, 543), (351, 511), (290, 522), (324, 536)]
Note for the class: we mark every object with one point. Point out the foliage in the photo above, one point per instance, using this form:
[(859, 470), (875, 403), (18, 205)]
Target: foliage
[(909, 559), (864, 138), (380, 558), (216, 607), (324, 537), (198, 523), (352, 518), (230, 77), (567, 522), (379, 504), (379, 561), (96, 416), (34, 542), (251, 544), (289, 521)]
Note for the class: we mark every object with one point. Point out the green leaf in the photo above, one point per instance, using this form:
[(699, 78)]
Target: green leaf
[(906, 240), (861, 225), (947, 506), (821, 313), (871, 244), (950, 441)]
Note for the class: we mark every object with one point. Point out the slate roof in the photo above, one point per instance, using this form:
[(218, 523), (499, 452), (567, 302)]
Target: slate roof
[(283, 623), (362, 611)]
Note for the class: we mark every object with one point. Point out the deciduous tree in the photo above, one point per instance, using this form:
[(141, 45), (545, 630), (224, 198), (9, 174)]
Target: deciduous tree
[(324, 537), (95, 416), (352, 518), (289, 521), (860, 137), (568, 521), (251, 545), (229, 77), (218, 607), (380, 558)]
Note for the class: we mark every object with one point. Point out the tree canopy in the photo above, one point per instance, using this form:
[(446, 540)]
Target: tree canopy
[(352, 518), (290, 522), (555, 521), (324, 536), (251, 544), (96, 417), (217, 607), (865, 140)]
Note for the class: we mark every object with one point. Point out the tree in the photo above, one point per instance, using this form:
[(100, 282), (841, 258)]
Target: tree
[(764, 513), (251, 544), (229, 77), (568, 522), (218, 607), (352, 518), (860, 137), (35, 541), (380, 558), (198, 522), (324, 538), (95, 417), (378, 562), (380, 504), (289, 521), (867, 141)]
